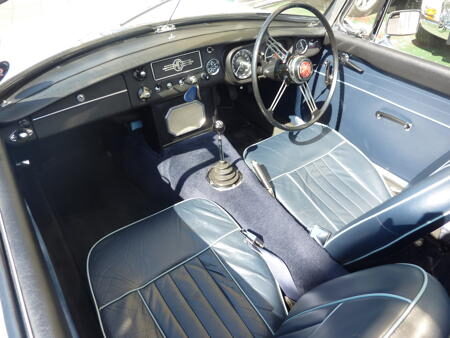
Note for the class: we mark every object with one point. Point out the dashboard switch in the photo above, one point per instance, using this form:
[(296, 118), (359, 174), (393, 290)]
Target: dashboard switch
[(144, 93), (140, 74), (192, 80), (205, 76)]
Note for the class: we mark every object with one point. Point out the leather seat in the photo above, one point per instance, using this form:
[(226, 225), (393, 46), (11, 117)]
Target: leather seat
[(189, 271), (334, 190)]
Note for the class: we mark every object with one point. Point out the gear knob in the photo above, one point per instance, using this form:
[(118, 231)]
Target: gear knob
[(219, 127)]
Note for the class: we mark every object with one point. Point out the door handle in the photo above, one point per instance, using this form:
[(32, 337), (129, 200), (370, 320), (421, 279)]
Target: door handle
[(345, 60), (406, 125)]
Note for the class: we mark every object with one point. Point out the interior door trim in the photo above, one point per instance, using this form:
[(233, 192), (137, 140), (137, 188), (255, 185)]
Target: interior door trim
[(391, 102), (418, 71)]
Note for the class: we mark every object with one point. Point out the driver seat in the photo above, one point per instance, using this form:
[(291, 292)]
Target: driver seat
[(336, 193)]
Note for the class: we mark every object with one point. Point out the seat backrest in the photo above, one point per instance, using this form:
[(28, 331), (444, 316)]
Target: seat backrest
[(185, 271), (421, 208)]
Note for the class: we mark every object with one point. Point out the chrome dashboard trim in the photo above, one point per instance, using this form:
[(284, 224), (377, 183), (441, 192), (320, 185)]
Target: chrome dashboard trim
[(80, 104)]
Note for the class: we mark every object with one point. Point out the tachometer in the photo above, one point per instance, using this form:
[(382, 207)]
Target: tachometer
[(242, 64), (301, 46)]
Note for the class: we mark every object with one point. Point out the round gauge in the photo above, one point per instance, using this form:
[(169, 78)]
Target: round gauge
[(213, 67), (241, 63), (301, 46)]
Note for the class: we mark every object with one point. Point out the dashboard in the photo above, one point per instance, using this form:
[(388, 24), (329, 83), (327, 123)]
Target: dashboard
[(142, 73), (172, 76)]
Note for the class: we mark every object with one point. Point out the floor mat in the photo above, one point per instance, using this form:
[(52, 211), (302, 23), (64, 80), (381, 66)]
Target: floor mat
[(183, 167), (96, 200), (90, 197)]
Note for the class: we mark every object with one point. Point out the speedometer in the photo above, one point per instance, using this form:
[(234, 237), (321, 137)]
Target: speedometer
[(242, 64)]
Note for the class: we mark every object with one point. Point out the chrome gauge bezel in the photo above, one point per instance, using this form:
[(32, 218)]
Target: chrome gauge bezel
[(248, 72), (301, 46), (216, 67)]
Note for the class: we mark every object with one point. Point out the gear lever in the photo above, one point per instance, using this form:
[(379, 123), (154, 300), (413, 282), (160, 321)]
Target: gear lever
[(219, 128), (223, 175)]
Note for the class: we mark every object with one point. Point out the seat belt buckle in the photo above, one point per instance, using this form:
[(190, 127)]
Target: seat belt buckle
[(253, 239)]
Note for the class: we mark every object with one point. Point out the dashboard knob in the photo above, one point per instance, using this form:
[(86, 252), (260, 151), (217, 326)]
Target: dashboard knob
[(205, 76), (140, 74), (169, 85), (157, 88), (192, 80), (144, 93), (181, 82)]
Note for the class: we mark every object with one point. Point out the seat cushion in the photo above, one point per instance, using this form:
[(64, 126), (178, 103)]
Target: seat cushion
[(399, 300), (189, 271), (186, 271), (319, 176)]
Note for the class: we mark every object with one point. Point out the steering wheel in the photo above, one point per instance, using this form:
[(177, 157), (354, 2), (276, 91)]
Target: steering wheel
[(291, 68)]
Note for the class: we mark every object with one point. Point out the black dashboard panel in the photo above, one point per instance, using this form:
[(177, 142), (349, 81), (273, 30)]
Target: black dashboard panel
[(173, 76), (93, 103)]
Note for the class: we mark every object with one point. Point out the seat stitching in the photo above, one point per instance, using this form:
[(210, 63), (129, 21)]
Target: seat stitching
[(342, 137), (413, 303), (224, 295), (355, 178), (320, 186), (388, 208), (243, 292), (151, 313), (312, 202), (169, 270), (204, 296), (347, 185), (398, 238), (304, 182), (303, 165), (168, 307), (343, 300), (183, 298)]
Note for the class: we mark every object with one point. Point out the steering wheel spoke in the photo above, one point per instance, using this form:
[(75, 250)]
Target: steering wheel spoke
[(278, 97), (291, 68), (308, 97), (277, 48)]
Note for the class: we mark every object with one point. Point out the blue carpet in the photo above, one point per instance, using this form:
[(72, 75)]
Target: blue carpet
[(183, 168)]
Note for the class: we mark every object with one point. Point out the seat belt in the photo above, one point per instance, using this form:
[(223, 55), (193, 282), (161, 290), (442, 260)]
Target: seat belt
[(277, 267)]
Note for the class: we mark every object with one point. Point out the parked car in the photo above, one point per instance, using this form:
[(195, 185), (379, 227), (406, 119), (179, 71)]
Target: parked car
[(221, 169), (434, 21)]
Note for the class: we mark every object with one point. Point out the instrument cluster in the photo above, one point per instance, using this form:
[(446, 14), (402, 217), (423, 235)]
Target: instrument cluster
[(239, 60)]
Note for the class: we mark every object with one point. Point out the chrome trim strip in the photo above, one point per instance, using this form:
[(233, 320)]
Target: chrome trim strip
[(391, 102), (80, 104)]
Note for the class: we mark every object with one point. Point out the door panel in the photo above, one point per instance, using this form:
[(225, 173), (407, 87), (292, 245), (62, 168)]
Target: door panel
[(359, 96)]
